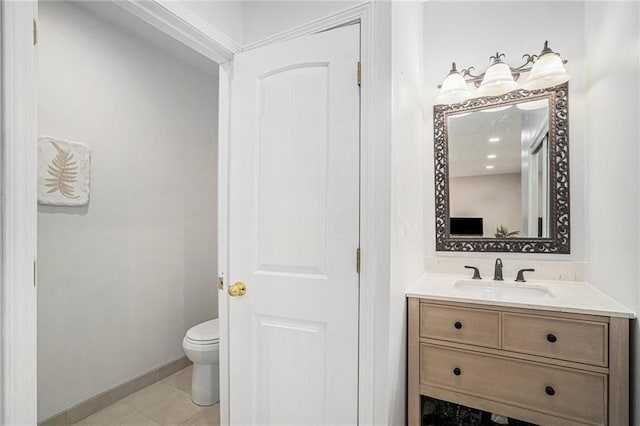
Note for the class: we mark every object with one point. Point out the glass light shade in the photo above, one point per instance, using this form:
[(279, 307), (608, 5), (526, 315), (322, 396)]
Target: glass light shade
[(497, 81), (454, 89), (547, 71)]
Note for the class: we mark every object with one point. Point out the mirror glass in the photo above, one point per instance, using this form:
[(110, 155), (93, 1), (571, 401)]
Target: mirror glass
[(501, 166), (498, 174)]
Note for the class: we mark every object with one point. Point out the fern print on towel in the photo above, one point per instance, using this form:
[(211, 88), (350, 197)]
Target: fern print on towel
[(63, 172)]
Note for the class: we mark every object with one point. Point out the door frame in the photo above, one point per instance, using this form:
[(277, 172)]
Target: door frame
[(18, 294), (18, 209)]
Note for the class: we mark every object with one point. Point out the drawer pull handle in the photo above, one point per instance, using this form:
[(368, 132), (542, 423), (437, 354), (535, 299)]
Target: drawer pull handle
[(550, 391), (551, 338), (457, 371), (458, 325)]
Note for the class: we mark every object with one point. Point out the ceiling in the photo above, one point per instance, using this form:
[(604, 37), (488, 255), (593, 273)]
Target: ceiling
[(491, 138)]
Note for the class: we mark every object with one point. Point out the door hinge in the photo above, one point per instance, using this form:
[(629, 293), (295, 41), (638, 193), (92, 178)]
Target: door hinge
[(358, 260), (35, 272), (35, 32), (220, 283), (359, 77)]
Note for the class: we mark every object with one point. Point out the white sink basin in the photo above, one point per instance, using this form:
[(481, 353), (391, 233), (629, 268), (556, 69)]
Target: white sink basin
[(501, 290)]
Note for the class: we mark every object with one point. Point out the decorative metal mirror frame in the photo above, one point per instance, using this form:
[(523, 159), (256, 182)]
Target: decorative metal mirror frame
[(559, 240)]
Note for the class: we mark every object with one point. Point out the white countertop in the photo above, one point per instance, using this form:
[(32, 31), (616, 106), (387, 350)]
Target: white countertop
[(566, 296)]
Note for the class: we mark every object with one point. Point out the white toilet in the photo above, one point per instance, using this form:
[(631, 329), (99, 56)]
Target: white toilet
[(200, 344)]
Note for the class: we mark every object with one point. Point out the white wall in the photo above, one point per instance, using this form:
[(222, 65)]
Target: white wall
[(468, 33), (225, 15), (612, 59), (495, 198), (113, 13), (263, 19), (122, 279), (407, 188)]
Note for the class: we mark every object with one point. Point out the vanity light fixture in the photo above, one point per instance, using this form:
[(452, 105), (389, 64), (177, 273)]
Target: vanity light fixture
[(548, 70), (545, 70), (491, 156), (494, 140), (498, 79), (453, 89), (489, 167)]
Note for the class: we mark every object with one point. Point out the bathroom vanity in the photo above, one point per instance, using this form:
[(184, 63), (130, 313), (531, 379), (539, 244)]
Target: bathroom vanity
[(557, 354), (550, 353)]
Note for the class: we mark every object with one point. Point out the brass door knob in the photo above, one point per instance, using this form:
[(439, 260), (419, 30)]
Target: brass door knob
[(238, 289)]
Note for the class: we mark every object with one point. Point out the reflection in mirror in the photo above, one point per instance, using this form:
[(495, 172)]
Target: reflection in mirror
[(502, 172), (498, 174)]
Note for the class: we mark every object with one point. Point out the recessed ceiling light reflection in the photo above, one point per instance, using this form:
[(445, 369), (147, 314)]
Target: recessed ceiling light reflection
[(494, 139), (491, 156), (489, 167)]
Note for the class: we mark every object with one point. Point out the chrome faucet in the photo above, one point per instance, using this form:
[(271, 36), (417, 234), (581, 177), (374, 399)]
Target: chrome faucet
[(497, 274)]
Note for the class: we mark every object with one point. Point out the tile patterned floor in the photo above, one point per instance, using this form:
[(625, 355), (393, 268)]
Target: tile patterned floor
[(165, 403)]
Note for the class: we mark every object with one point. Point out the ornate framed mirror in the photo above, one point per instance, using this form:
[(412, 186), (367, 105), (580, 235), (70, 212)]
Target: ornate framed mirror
[(502, 173)]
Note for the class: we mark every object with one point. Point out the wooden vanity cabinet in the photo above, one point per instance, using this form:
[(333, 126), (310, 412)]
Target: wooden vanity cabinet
[(548, 368)]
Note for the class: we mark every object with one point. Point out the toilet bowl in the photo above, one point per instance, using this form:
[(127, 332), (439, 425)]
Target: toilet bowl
[(200, 345)]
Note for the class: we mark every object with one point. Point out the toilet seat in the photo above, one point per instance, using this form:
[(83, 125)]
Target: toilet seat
[(206, 333), (201, 342)]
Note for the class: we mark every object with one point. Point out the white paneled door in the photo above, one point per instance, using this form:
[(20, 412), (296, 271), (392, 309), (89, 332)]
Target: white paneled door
[(293, 232)]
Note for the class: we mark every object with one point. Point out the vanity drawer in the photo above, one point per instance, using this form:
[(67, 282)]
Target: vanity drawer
[(566, 339), (464, 325), (574, 395)]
